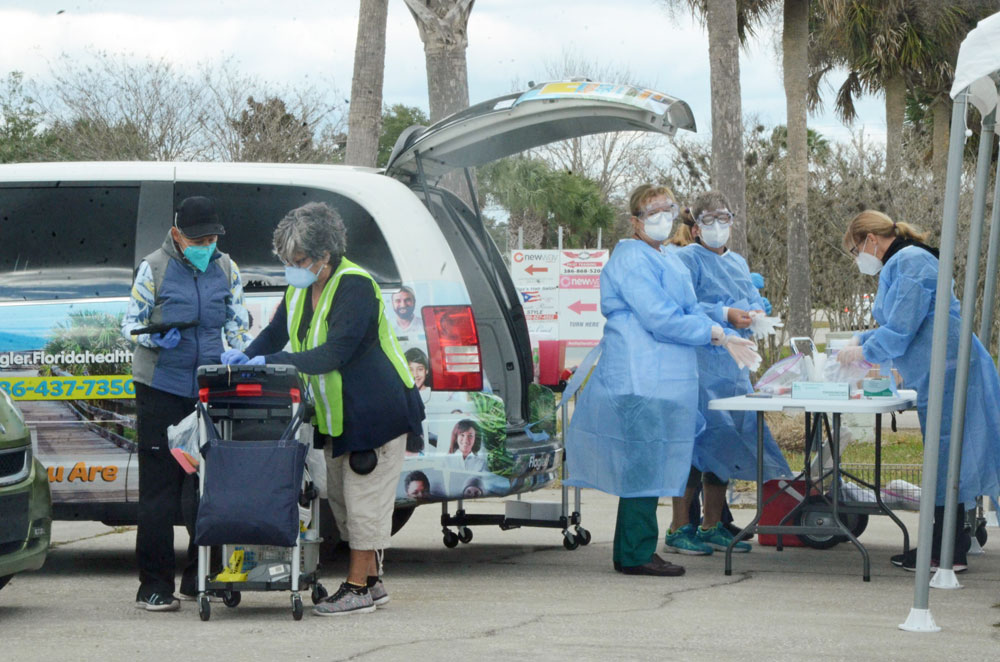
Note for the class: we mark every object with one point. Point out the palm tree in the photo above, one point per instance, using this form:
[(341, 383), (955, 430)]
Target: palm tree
[(795, 63), (364, 121), (730, 23), (443, 27)]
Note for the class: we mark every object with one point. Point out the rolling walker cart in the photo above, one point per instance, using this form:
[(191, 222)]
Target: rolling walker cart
[(523, 513), (254, 494)]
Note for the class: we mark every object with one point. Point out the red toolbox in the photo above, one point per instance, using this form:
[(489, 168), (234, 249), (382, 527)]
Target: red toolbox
[(791, 494)]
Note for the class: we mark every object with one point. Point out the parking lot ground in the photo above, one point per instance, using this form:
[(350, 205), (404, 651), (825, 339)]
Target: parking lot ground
[(515, 594)]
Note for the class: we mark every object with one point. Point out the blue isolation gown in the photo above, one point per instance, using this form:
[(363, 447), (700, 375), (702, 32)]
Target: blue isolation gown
[(904, 310), (636, 417), (728, 445)]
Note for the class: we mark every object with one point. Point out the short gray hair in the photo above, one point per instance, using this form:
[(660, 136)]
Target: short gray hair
[(315, 228), (709, 201)]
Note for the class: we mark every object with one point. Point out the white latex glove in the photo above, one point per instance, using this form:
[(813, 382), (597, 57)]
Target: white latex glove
[(854, 341), (718, 335), (763, 326), (850, 354), (743, 351)]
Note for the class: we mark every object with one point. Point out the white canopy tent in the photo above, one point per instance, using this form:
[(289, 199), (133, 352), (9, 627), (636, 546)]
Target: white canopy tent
[(976, 75)]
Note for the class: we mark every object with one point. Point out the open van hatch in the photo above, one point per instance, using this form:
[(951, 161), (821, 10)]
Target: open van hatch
[(517, 122)]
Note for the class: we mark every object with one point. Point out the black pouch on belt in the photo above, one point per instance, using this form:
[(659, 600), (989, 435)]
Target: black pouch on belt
[(363, 462)]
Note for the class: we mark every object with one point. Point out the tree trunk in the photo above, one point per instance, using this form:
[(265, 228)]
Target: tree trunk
[(364, 122), (941, 108), (895, 111), (443, 30), (727, 115), (794, 46)]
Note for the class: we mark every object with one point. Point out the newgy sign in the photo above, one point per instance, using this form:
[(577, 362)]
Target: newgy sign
[(561, 294)]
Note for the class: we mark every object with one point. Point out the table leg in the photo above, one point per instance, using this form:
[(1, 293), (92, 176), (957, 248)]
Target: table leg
[(835, 454), (751, 528), (878, 484)]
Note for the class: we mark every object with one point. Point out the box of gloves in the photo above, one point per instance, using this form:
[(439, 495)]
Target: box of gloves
[(821, 391)]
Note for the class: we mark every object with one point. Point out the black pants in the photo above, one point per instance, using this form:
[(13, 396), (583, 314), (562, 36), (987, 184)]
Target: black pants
[(166, 494)]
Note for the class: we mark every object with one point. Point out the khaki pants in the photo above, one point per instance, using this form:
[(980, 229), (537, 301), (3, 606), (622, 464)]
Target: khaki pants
[(363, 505)]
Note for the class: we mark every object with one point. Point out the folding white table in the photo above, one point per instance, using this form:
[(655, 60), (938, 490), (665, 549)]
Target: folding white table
[(814, 425)]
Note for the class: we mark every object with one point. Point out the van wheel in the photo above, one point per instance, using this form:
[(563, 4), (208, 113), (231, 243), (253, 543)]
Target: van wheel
[(400, 516), (4, 580)]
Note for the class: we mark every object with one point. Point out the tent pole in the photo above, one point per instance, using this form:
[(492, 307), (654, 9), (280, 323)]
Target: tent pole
[(989, 295), (920, 619), (945, 576)]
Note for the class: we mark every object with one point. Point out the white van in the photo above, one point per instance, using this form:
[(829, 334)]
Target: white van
[(71, 235)]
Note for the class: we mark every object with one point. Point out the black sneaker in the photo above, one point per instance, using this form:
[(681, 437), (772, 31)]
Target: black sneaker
[(908, 562), (158, 602)]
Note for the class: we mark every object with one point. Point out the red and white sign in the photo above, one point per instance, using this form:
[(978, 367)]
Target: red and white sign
[(580, 319), (582, 263), (561, 294), (536, 267)]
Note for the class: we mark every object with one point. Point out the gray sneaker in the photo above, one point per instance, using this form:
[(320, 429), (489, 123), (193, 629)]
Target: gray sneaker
[(347, 600), (380, 596)]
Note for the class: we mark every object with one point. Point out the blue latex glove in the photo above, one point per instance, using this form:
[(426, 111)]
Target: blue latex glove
[(257, 360), (167, 340), (767, 306), (757, 280), (234, 357)]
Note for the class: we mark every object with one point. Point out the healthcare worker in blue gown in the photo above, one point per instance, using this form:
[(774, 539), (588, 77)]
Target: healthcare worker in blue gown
[(633, 429), (727, 447), (907, 272)]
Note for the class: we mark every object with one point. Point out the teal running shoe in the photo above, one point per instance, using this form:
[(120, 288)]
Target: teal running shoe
[(686, 541), (719, 538)]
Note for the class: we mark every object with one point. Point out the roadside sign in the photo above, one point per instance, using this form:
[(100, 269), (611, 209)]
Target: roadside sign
[(535, 267)]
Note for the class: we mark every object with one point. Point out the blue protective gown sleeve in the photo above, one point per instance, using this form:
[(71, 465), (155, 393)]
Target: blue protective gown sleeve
[(660, 315), (907, 305)]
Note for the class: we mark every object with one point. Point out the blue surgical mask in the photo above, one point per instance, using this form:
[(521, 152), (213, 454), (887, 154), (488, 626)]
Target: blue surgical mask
[(200, 256), (300, 277)]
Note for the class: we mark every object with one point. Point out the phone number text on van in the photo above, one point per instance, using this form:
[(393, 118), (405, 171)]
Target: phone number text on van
[(69, 388)]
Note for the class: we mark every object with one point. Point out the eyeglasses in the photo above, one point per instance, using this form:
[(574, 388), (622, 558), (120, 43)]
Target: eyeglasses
[(720, 216), (670, 208), (299, 262), (854, 251)]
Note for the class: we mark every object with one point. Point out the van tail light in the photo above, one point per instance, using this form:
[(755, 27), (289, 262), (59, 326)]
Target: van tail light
[(453, 345)]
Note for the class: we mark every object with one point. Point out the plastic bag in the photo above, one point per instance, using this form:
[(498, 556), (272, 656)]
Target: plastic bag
[(852, 373), (184, 443), (779, 377)]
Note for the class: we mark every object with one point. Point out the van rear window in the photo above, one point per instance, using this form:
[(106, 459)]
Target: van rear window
[(67, 242), (250, 212)]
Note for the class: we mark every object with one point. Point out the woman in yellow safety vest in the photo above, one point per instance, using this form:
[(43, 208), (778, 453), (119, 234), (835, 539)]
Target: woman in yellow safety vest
[(365, 398)]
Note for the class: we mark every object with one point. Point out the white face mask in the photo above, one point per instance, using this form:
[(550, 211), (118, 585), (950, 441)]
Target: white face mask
[(867, 263), (715, 235), (657, 227)]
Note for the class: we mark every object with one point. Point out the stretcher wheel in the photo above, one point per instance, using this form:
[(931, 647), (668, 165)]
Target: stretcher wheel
[(296, 607), (231, 598), (583, 535), (318, 594), (450, 539), (204, 608), (820, 515), (465, 535), (570, 541)]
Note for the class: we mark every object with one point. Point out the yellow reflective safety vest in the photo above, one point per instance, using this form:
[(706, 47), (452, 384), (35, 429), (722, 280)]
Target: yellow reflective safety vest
[(327, 389)]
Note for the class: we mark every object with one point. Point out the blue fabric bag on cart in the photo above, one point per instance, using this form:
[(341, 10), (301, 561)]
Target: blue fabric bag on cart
[(251, 492)]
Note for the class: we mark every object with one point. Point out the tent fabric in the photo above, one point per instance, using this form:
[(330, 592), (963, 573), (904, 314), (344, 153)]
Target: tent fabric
[(978, 59)]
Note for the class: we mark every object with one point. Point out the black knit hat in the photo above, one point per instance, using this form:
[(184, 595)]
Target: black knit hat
[(196, 217)]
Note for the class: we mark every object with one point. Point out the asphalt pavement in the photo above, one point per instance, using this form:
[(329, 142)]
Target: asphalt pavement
[(518, 594)]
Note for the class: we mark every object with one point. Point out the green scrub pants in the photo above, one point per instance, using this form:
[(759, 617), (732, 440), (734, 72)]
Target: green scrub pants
[(636, 531)]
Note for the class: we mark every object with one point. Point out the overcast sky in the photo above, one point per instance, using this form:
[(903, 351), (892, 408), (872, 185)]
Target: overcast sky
[(509, 40)]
